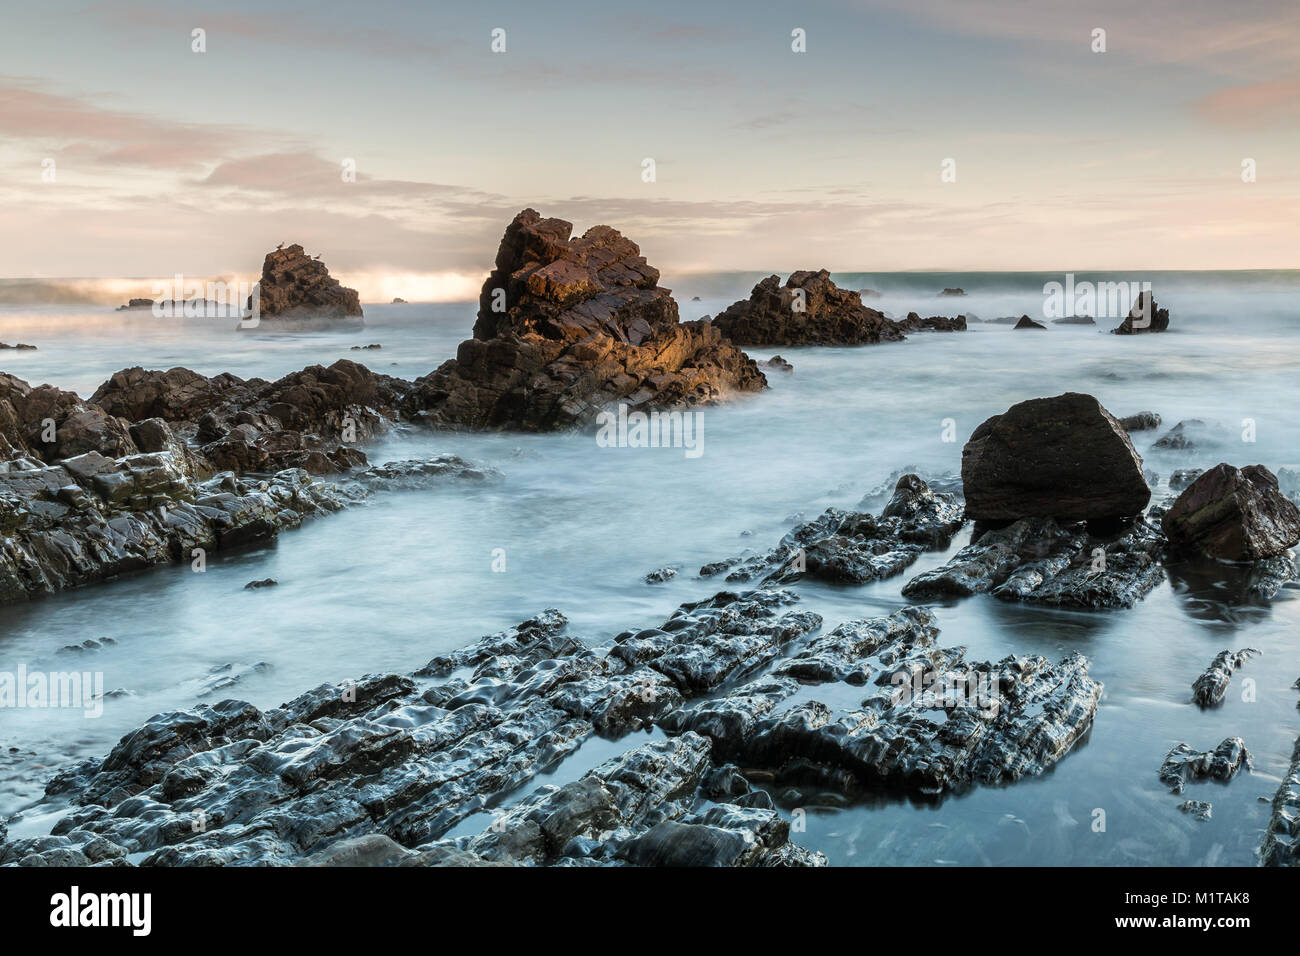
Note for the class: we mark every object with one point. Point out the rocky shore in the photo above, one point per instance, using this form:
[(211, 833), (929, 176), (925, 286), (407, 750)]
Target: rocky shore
[(378, 770)]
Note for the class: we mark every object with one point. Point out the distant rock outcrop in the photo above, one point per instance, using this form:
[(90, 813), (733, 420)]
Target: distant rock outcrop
[(1064, 457), (1027, 323), (1145, 316), (809, 309), (957, 291), (935, 323), (568, 327), (298, 292)]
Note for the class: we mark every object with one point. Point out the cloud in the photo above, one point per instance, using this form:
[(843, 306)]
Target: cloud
[(1253, 104)]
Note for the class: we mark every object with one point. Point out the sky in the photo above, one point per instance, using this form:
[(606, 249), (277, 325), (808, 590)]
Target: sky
[(124, 152)]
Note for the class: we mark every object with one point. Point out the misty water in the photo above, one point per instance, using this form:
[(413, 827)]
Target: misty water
[(389, 584)]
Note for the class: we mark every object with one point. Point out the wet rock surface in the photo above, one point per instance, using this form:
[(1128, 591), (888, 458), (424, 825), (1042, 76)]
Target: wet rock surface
[(568, 327), (1281, 845), (1141, 422), (1210, 688), (1234, 514), (1038, 561), (1184, 764), (1064, 457), (298, 292), (376, 771), (809, 309), (853, 546)]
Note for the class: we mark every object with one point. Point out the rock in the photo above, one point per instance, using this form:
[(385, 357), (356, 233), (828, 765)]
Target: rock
[(935, 323), (1281, 845), (853, 547), (1027, 323), (399, 301), (297, 292), (136, 304), (660, 575), (1183, 765), (1189, 435), (1234, 514), (778, 363), (1064, 457), (569, 327), (19, 347), (809, 309), (1141, 422), (264, 583), (1183, 477), (953, 292), (1037, 561), (1075, 320), (1144, 316), (1209, 688), (1200, 809), (362, 348)]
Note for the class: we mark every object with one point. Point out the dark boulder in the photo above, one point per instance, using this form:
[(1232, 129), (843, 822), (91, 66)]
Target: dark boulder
[(1141, 422), (1064, 457), (1027, 323), (1234, 514)]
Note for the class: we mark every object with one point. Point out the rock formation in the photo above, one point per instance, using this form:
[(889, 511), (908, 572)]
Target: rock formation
[(1064, 457), (809, 309), (1234, 514), (935, 323), (1209, 689), (569, 327), (1027, 323), (1144, 316), (377, 771), (298, 292)]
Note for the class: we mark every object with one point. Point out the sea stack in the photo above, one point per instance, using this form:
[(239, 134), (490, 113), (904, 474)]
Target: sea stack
[(570, 327), (297, 293)]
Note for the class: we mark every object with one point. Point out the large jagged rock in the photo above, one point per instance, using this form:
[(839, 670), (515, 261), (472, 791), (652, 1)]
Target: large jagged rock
[(377, 771), (298, 292), (809, 309), (1234, 514), (1144, 316), (1184, 764), (569, 327), (1064, 457)]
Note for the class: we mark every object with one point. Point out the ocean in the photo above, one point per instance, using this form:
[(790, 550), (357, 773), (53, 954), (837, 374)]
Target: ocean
[(575, 524)]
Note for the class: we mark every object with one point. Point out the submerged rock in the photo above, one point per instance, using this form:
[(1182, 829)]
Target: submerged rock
[(1234, 514), (1209, 689), (809, 309), (1141, 422), (567, 327), (298, 292), (1200, 809), (778, 363), (1144, 316), (1183, 765), (1064, 457)]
